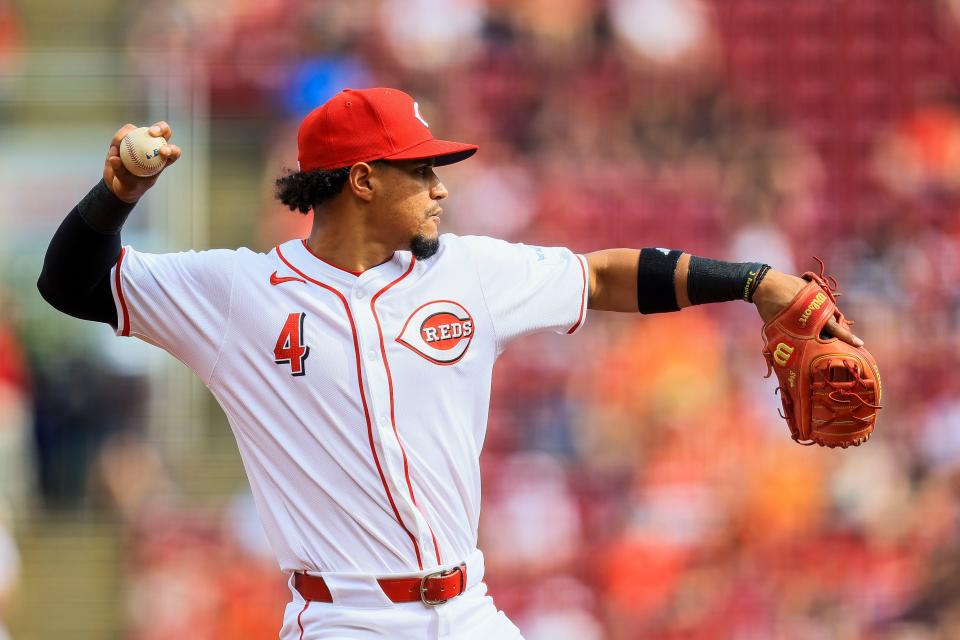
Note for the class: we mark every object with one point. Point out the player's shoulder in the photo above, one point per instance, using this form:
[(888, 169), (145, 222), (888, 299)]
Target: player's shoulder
[(457, 249), (230, 257), (252, 262), (248, 256), (188, 258), (488, 248), (240, 258), (471, 243)]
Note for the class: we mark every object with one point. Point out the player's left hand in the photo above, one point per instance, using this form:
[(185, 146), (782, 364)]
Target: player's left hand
[(778, 289)]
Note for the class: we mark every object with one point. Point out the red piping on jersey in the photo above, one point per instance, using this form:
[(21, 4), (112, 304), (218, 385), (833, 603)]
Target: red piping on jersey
[(355, 273), (299, 621), (393, 420), (582, 297), (123, 303), (363, 400)]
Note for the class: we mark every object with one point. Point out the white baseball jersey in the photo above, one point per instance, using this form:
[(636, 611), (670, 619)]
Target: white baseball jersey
[(359, 401)]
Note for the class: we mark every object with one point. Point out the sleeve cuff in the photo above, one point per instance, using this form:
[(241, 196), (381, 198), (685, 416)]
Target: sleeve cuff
[(119, 300), (584, 294)]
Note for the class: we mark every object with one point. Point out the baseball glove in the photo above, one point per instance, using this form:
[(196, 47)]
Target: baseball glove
[(830, 389)]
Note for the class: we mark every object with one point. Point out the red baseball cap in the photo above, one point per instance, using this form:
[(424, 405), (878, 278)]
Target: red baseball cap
[(362, 125)]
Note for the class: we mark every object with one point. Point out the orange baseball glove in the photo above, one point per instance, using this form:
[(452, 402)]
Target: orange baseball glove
[(830, 389)]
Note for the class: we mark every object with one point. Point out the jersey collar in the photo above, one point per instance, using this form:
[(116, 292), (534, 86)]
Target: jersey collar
[(297, 256)]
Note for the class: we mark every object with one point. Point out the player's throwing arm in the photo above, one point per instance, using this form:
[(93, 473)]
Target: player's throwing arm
[(76, 268)]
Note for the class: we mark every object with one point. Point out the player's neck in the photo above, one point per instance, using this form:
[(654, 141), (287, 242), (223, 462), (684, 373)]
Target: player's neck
[(348, 246)]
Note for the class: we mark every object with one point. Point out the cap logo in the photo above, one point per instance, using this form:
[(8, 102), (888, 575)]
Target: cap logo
[(440, 331), (416, 114)]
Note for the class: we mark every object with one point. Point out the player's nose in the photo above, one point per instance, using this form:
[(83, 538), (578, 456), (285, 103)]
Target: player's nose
[(438, 191)]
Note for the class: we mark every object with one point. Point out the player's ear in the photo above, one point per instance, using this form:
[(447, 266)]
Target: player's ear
[(359, 181)]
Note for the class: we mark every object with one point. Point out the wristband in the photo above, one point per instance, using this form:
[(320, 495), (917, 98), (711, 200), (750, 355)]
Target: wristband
[(717, 281), (103, 211), (755, 283), (656, 292)]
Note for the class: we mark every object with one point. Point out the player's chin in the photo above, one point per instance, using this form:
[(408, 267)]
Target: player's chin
[(424, 246), (430, 228)]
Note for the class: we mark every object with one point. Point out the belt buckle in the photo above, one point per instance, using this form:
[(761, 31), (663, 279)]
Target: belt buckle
[(442, 573)]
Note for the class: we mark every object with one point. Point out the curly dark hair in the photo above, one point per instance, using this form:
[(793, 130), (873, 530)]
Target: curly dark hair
[(303, 190)]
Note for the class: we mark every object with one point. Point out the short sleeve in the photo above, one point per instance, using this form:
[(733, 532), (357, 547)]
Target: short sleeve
[(177, 301), (528, 288)]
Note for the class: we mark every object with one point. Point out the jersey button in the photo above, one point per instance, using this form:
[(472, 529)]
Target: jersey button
[(371, 354)]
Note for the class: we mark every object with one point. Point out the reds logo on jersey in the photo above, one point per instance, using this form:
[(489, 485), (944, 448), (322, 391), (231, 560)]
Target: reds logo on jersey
[(439, 331)]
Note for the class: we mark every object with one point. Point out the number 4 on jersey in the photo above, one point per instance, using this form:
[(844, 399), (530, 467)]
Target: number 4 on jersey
[(290, 348)]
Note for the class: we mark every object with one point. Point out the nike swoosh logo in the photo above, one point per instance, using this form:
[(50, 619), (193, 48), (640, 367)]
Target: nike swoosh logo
[(275, 279)]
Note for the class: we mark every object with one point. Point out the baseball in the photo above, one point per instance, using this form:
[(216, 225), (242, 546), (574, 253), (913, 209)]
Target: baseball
[(140, 153)]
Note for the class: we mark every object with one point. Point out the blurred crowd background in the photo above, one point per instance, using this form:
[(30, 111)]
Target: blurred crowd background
[(638, 481)]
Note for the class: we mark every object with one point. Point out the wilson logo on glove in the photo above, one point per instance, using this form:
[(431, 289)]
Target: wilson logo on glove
[(781, 355), (439, 331), (818, 301)]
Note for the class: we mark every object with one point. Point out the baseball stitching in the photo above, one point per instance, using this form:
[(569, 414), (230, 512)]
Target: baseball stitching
[(135, 156)]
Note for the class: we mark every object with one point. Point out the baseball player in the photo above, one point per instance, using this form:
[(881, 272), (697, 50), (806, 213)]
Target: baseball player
[(354, 366)]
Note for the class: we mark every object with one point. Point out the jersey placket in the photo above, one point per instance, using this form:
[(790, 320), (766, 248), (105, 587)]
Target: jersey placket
[(365, 295), (355, 294)]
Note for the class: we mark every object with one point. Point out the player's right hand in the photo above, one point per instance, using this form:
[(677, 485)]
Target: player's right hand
[(121, 182)]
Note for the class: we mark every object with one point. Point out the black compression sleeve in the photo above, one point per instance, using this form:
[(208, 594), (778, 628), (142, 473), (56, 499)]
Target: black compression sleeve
[(717, 281), (103, 211), (76, 269)]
